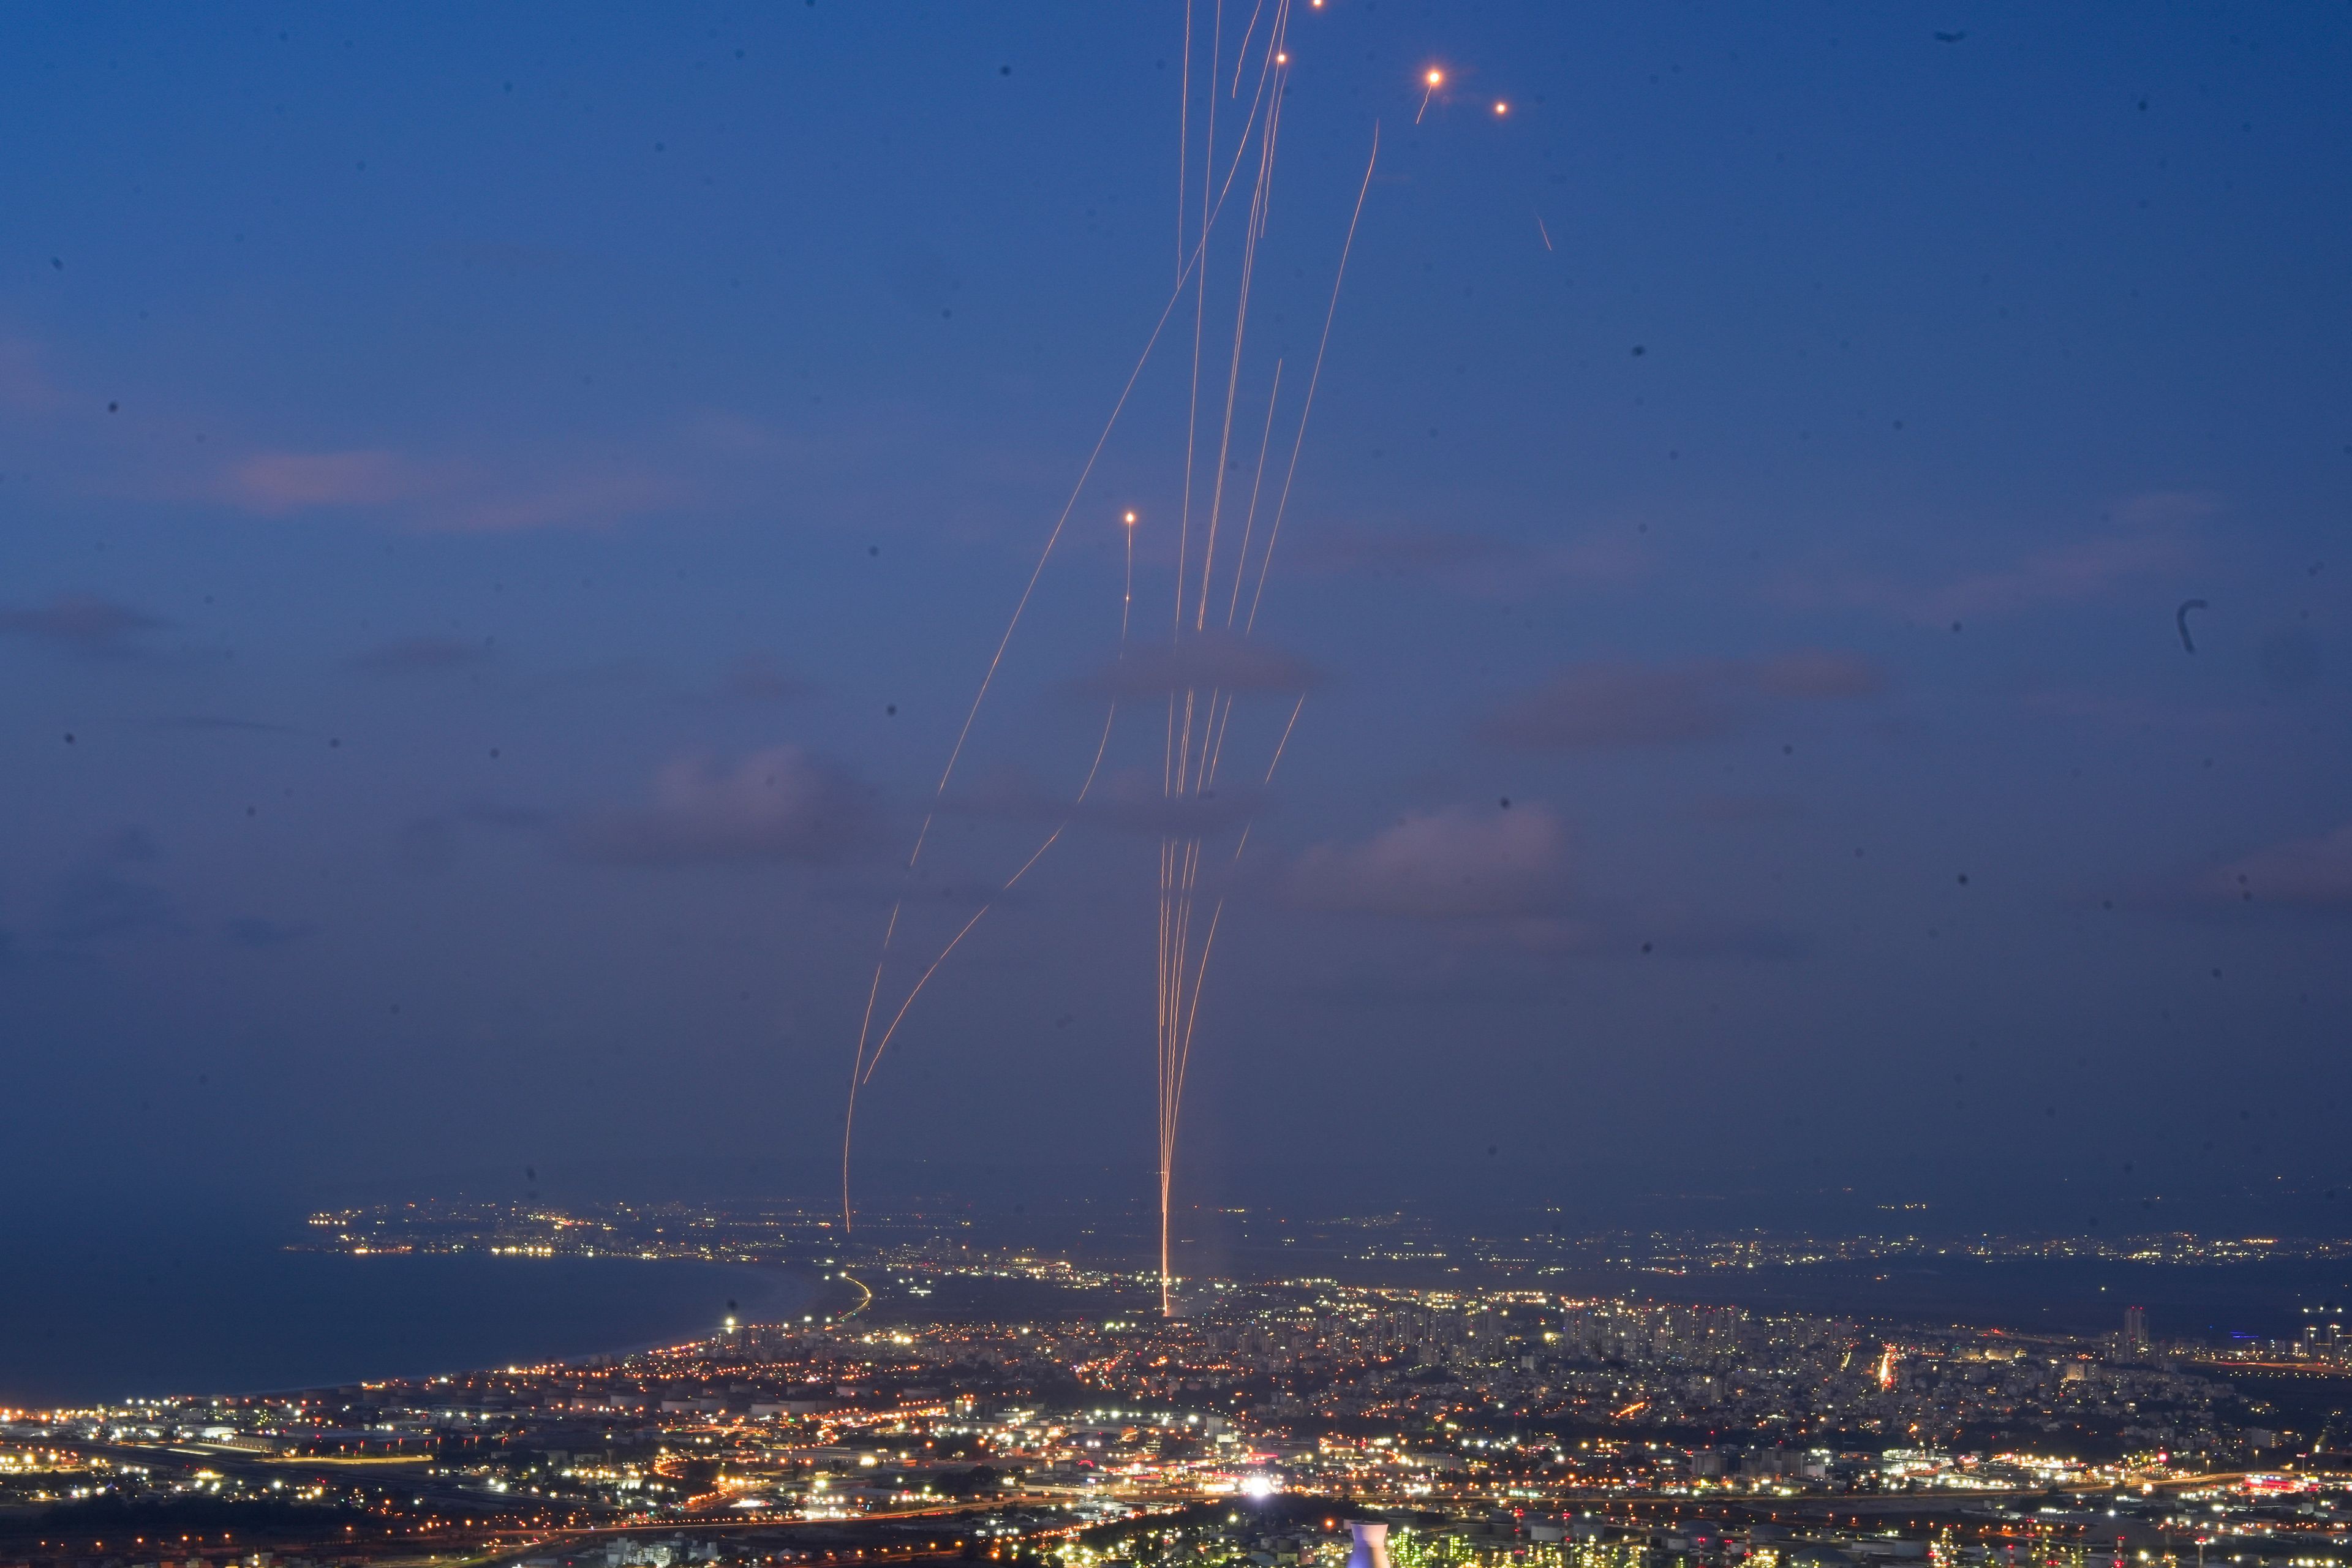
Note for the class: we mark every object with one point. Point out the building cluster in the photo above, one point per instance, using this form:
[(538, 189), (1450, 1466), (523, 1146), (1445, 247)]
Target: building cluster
[(1533, 1245), (1503, 1425)]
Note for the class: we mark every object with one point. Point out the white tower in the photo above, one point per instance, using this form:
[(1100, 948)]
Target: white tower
[(1371, 1548)]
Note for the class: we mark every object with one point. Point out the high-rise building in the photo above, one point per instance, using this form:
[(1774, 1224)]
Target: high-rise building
[(2136, 1341)]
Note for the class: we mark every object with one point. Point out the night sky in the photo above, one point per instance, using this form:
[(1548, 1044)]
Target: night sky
[(503, 512)]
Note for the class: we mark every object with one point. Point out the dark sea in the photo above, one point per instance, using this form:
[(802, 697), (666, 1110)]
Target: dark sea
[(90, 1313)]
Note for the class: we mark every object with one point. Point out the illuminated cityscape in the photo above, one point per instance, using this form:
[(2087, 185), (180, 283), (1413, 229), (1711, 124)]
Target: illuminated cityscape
[(1175, 783), (939, 1398)]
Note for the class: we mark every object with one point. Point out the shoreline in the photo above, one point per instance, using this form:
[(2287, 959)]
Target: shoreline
[(254, 1324)]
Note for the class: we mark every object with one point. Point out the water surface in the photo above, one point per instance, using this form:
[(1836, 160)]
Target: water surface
[(97, 1313)]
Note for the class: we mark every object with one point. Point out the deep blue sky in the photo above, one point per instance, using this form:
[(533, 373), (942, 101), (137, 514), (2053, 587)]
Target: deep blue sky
[(474, 485)]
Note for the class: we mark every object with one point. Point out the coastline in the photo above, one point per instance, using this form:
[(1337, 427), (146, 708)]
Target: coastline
[(246, 1316)]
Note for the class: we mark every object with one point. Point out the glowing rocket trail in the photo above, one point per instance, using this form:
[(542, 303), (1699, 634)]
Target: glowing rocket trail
[(1125, 600), (1257, 481), (1314, 379), (1258, 199), (1198, 724), (1181, 776), (861, 1063), (865, 1031), (1183, 139), (1181, 977), (1240, 55)]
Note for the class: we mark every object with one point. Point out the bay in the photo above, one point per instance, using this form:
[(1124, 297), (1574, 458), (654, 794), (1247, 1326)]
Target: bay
[(105, 1312)]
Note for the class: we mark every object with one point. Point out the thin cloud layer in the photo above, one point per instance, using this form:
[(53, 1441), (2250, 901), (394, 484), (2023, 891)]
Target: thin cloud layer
[(1483, 565), (2305, 873), (2155, 538), (780, 804), (422, 656), (276, 483), (1446, 865), (80, 622), (448, 496), (587, 500), (1616, 705), (1208, 661), (1130, 802), (2054, 576), (1601, 706)]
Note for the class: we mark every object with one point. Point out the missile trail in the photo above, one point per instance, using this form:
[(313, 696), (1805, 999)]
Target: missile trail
[(1198, 722), (1212, 210)]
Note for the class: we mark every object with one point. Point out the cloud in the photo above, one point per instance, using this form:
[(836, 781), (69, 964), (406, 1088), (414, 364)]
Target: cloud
[(450, 496), (80, 622), (1128, 802), (2074, 571), (2155, 539), (573, 501), (1627, 705), (2305, 873), (1616, 705), (278, 482), (780, 804), (1444, 865), (421, 655), (1205, 661)]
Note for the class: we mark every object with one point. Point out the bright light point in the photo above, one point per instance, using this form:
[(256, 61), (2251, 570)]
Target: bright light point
[(1436, 76), (1259, 1486), (1282, 59), (1502, 109), (1130, 518)]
